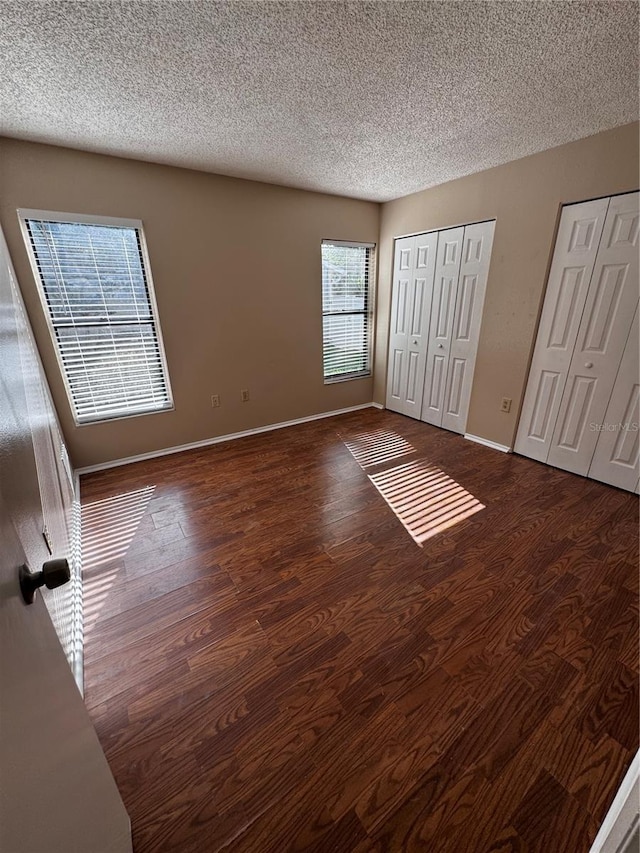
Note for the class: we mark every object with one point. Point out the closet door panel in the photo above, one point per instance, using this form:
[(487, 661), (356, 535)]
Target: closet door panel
[(414, 266), (420, 294), (604, 328), (616, 457), (403, 265), (455, 410), (436, 387), (574, 258), (472, 283), (443, 308), (394, 381)]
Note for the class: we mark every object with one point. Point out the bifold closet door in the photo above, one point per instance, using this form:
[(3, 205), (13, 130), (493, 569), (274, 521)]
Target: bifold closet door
[(443, 304), (462, 268), (472, 283), (439, 282), (608, 313), (573, 262), (616, 458), (414, 265), (584, 367)]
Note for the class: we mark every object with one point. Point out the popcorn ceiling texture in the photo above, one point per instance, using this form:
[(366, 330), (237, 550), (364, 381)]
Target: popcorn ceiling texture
[(369, 99)]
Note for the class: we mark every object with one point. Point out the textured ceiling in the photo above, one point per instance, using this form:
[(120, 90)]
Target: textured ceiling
[(372, 100)]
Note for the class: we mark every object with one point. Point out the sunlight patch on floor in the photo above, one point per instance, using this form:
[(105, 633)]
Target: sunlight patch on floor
[(377, 447), (425, 499), (95, 590), (109, 525), (108, 528)]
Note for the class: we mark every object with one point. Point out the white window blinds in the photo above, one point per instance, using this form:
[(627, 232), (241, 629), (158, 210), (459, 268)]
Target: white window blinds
[(346, 309), (98, 297)]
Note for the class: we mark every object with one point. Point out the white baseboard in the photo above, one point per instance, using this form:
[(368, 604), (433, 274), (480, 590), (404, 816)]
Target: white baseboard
[(377, 405), (622, 818), (494, 445), (103, 466)]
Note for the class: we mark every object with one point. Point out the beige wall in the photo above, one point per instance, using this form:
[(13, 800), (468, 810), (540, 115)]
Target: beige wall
[(525, 198), (236, 268)]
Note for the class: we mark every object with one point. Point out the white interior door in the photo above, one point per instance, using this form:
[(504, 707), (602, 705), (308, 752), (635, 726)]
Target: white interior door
[(610, 305), (443, 307), (472, 283), (414, 263), (574, 258), (403, 265), (615, 460), (57, 793), (59, 504)]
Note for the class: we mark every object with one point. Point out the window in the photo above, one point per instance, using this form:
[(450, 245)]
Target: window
[(346, 309), (94, 281)]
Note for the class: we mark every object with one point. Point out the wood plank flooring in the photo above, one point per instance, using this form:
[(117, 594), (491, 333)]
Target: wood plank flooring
[(361, 634)]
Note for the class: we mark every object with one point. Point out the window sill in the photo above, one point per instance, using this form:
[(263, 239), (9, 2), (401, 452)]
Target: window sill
[(331, 380), (105, 419)]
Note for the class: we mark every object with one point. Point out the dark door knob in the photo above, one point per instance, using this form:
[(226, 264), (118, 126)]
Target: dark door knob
[(54, 573)]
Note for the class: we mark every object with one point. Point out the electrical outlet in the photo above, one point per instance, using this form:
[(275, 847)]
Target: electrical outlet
[(506, 404), (244, 395), (215, 401)]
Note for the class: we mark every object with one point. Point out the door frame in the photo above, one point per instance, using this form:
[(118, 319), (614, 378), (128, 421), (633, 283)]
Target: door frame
[(623, 817)]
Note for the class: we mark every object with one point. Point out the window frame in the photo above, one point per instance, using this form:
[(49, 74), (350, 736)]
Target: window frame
[(368, 312), (108, 221)]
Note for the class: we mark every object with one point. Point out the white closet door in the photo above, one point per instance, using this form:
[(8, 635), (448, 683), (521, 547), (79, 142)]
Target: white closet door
[(441, 326), (615, 460), (420, 297), (472, 283), (571, 269), (604, 328), (403, 264), (411, 307)]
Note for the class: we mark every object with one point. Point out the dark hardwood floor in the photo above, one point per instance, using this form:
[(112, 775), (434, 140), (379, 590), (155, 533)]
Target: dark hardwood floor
[(361, 634)]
